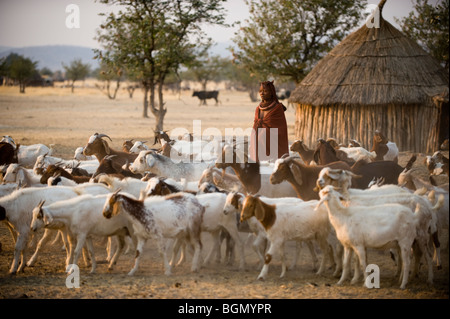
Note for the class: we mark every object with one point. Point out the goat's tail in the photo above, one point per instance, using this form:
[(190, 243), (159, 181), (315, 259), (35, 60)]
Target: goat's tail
[(410, 162)]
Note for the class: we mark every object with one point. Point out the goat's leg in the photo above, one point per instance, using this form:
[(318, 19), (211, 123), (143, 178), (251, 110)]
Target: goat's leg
[(20, 246), (235, 236), (162, 248), (215, 249), (406, 260), (437, 250), (121, 243), (139, 250), (197, 252), (324, 247), (259, 246), (81, 239), (70, 253), (45, 238), (274, 246), (312, 251), (12, 231), (283, 261), (361, 254), (90, 248), (346, 265), (338, 252)]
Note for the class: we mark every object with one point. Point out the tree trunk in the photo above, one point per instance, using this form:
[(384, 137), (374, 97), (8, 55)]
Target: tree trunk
[(73, 85), (145, 106), (160, 113), (22, 87)]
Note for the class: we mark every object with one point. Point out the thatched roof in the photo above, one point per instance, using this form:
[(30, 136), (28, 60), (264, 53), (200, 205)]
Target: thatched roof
[(374, 66)]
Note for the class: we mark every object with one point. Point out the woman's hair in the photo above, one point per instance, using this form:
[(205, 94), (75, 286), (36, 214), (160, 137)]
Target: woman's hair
[(269, 85)]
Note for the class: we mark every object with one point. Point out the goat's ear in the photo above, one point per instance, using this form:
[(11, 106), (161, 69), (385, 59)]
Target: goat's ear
[(297, 173), (105, 144), (335, 174), (47, 218), (259, 210)]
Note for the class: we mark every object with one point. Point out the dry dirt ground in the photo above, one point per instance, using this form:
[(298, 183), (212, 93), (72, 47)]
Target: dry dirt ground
[(55, 116)]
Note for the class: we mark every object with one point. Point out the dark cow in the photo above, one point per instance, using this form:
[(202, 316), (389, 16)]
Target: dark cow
[(204, 95)]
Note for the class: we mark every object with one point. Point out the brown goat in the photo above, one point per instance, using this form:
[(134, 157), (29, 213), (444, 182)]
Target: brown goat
[(389, 170), (437, 164), (384, 149), (161, 135), (53, 170), (305, 153), (99, 148), (325, 154), (127, 145), (302, 177), (109, 166)]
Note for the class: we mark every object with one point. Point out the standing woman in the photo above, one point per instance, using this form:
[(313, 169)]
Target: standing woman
[(269, 114)]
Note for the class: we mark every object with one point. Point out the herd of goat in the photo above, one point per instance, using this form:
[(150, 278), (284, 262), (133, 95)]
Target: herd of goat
[(342, 199)]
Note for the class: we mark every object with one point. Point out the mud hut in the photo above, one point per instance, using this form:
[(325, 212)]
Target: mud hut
[(376, 78)]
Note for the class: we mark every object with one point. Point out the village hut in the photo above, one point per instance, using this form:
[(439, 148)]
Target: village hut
[(375, 79)]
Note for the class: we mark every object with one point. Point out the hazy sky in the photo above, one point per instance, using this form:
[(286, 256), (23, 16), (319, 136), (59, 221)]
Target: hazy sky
[(43, 22)]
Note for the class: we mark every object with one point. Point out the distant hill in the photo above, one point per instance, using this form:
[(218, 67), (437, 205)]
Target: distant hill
[(52, 56)]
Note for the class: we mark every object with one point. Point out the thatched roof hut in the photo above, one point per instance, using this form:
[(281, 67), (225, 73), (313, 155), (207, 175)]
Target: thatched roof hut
[(376, 78)]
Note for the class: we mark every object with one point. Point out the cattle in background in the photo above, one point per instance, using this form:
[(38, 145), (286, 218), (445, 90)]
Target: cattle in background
[(204, 95)]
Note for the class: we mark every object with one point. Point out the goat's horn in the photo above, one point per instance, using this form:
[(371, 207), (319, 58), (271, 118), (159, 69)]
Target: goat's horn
[(103, 135), (41, 203), (285, 155)]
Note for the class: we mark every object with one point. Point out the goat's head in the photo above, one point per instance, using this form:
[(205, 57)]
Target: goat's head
[(296, 146), (52, 170), (107, 166), (13, 174), (139, 146), (285, 167), (161, 137), (325, 194), (379, 138), (230, 155), (233, 203), (112, 205), (40, 218), (143, 162), (251, 207), (96, 145), (158, 186), (339, 178), (127, 145)]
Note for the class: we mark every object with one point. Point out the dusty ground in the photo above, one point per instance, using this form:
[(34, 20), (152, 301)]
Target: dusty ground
[(55, 116)]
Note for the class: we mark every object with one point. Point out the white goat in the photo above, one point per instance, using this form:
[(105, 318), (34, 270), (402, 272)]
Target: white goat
[(138, 147), (79, 156), (214, 220), (15, 173), (27, 154), (164, 166), (17, 211), (284, 222), (82, 217), (178, 216), (358, 153), (362, 227), (221, 179), (233, 206), (129, 185)]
